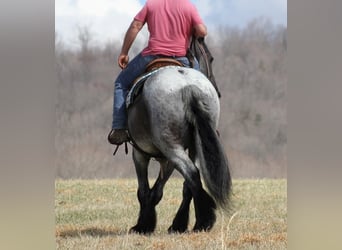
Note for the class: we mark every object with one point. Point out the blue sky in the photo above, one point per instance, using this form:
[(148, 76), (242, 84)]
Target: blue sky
[(109, 19), (240, 12)]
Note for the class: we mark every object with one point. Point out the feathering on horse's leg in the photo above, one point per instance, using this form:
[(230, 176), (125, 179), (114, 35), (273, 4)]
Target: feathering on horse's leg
[(181, 220)]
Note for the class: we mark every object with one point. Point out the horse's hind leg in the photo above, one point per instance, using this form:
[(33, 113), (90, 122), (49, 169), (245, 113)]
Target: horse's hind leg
[(148, 198), (204, 205), (180, 222)]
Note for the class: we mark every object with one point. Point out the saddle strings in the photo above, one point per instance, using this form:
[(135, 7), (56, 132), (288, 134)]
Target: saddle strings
[(117, 147)]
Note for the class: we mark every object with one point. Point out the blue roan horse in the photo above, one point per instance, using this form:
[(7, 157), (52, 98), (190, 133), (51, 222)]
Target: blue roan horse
[(174, 120)]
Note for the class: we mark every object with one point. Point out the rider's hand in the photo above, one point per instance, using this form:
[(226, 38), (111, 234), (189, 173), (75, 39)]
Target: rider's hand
[(123, 61)]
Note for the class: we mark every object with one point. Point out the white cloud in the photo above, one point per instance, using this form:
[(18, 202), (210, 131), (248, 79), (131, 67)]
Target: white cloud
[(109, 19), (106, 19), (96, 8), (205, 7), (103, 8)]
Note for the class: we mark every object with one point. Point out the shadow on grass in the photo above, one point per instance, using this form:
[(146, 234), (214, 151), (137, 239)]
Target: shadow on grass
[(89, 231)]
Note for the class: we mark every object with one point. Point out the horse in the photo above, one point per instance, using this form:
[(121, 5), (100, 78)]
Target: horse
[(174, 120)]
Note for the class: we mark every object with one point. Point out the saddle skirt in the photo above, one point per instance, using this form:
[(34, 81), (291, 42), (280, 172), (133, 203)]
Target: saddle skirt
[(151, 69), (137, 87)]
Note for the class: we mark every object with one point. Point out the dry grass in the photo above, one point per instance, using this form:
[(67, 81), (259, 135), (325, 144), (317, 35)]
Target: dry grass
[(97, 214)]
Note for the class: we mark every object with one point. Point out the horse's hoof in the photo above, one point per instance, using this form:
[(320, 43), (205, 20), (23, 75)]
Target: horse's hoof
[(203, 228), (174, 230), (139, 230)]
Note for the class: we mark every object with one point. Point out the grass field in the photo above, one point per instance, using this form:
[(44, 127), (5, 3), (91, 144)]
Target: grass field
[(97, 214)]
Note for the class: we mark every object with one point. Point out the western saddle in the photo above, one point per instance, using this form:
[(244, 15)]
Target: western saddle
[(161, 62)]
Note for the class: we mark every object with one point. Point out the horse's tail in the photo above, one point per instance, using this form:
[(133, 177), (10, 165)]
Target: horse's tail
[(209, 150)]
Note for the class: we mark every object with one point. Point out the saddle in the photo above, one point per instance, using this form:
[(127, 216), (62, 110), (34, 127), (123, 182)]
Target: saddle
[(162, 62), (150, 69)]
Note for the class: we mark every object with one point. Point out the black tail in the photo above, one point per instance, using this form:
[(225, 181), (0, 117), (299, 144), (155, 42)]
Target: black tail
[(209, 150)]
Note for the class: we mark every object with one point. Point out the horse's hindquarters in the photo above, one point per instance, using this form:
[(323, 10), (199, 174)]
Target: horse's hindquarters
[(157, 120), (139, 127), (163, 92)]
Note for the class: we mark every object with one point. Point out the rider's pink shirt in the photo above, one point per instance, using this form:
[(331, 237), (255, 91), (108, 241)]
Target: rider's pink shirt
[(170, 23)]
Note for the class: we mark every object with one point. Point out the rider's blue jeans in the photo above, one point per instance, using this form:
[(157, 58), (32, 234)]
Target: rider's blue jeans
[(123, 83)]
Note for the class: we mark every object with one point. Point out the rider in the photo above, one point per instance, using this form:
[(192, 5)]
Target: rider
[(171, 23)]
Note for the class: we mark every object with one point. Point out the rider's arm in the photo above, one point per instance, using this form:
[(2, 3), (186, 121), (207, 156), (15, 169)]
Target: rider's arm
[(200, 30), (130, 36)]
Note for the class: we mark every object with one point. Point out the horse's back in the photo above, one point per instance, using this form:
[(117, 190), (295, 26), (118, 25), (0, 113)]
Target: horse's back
[(164, 90), (171, 79)]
